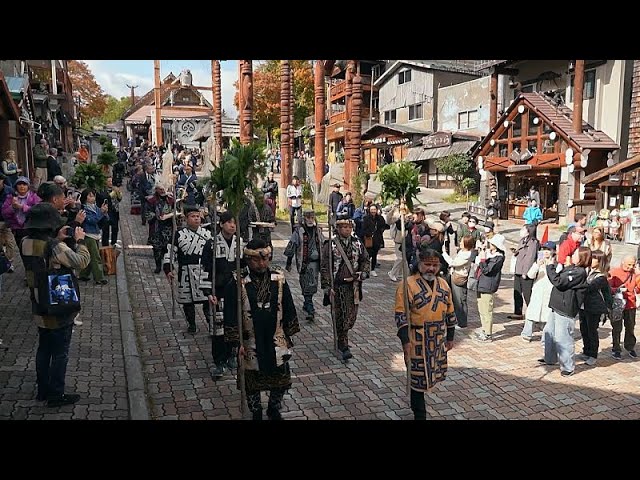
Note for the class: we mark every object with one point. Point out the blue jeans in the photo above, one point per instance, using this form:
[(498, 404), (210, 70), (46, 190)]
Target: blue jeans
[(51, 360), (559, 345)]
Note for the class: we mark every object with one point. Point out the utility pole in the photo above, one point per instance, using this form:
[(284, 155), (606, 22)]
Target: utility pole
[(133, 96), (156, 68)]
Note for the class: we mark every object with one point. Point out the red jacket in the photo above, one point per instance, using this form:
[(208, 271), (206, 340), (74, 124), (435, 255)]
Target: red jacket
[(632, 284), (566, 250)]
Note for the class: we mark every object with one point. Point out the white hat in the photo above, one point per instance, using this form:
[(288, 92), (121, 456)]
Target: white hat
[(498, 241), (437, 226)]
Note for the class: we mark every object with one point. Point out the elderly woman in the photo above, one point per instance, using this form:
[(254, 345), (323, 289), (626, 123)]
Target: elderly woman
[(10, 168), (16, 207)]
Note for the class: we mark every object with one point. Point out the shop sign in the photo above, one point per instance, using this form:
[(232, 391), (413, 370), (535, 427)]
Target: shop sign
[(436, 140), (397, 141), (518, 168)]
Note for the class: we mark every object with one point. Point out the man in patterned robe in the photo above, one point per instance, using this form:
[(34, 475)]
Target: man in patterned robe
[(306, 245), (433, 322), (225, 265), (268, 321), (347, 285), (193, 278)]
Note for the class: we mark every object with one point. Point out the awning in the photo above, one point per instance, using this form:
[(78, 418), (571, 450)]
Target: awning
[(417, 154)]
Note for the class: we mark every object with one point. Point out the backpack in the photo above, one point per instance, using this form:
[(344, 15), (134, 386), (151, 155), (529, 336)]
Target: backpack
[(56, 291)]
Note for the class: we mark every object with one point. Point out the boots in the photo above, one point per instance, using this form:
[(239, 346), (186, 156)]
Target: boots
[(158, 266), (273, 414)]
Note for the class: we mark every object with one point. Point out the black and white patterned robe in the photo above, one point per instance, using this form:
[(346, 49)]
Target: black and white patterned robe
[(194, 280)]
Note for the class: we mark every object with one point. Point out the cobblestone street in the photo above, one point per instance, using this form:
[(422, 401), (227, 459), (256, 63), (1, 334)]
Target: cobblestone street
[(500, 380)]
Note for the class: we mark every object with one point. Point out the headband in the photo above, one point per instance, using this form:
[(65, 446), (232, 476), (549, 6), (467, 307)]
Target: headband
[(259, 252)]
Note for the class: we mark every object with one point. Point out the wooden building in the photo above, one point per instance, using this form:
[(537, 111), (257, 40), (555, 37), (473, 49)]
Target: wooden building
[(184, 111), (534, 143), (383, 144)]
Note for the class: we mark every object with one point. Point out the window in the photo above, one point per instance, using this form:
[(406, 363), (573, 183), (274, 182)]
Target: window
[(389, 117), (589, 91), (468, 119), (404, 77), (415, 111), (375, 103)]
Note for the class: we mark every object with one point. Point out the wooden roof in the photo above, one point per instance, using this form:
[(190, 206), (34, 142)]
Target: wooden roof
[(6, 96), (561, 120), (627, 165)]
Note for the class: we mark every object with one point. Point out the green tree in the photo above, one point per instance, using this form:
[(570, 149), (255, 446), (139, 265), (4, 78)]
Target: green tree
[(115, 108), (458, 166)]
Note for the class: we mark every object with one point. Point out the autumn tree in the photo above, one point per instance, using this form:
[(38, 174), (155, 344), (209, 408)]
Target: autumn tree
[(93, 101), (266, 95)]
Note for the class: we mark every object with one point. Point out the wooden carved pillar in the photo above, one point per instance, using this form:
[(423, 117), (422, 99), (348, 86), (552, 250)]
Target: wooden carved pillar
[(318, 148), (292, 113), (158, 107), (356, 125), (217, 110), (493, 98), (285, 99), (348, 143), (246, 107)]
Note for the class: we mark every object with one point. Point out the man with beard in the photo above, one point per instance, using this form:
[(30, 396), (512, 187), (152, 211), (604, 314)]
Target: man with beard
[(268, 321), (306, 244), (433, 321), (193, 278), (351, 266)]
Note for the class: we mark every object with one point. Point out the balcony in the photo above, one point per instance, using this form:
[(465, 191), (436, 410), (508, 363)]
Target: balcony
[(338, 117), (338, 89)]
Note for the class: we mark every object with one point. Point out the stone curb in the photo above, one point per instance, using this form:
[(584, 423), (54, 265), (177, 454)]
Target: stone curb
[(138, 408)]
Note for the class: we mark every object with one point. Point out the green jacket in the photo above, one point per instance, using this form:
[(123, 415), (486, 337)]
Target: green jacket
[(39, 157)]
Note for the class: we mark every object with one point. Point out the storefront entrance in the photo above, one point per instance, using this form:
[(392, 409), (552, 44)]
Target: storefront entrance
[(513, 191)]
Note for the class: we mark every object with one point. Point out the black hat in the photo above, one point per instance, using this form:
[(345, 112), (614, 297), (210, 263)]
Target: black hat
[(44, 216), (189, 208)]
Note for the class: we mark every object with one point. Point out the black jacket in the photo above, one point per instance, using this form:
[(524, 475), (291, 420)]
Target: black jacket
[(374, 227), (568, 289), (491, 275), (597, 294)]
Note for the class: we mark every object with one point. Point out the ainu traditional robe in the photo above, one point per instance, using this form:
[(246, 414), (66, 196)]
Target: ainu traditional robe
[(193, 279), (266, 329), (431, 314), (225, 259)]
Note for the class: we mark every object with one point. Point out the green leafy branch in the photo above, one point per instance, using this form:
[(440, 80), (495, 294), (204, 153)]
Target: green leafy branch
[(399, 180)]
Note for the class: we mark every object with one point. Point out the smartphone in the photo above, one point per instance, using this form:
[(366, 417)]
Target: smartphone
[(105, 202), (540, 255)]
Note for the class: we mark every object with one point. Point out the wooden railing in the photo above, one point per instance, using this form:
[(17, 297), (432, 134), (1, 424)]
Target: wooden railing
[(338, 89), (338, 117)]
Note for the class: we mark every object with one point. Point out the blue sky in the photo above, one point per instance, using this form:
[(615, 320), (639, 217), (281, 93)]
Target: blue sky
[(114, 75)]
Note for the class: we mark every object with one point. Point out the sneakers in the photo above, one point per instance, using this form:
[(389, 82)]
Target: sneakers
[(374, 273), (346, 354), (526, 339), (217, 372), (582, 357), (483, 337), (590, 361), (104, 281), (633, 354), (66, 399), (77, 321), (515, 317), (393, 278), (564, 373), (616, 355)]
